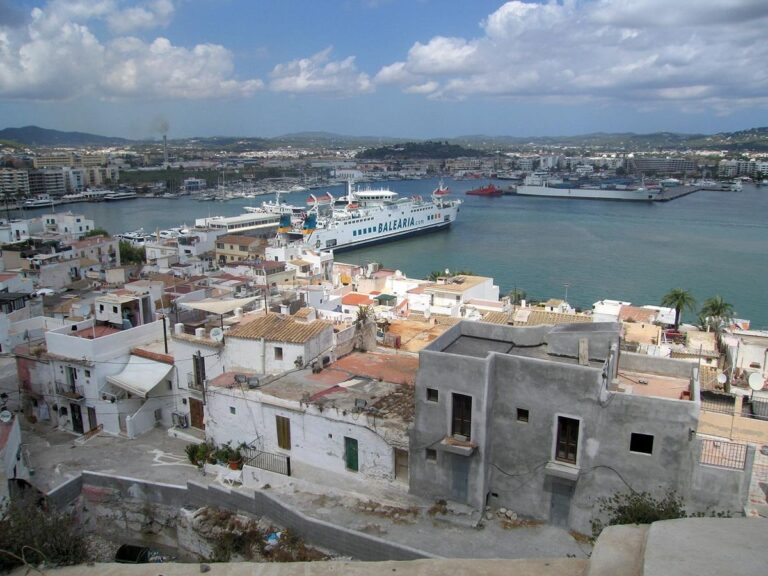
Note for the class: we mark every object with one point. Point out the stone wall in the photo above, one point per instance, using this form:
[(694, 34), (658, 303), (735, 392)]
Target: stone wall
[(155, 509)]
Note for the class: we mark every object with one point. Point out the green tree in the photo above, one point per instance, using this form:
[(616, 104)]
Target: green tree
[(434, 275), (96, 232), (130, 254), (680, 300), (717, 312), (516, 296)]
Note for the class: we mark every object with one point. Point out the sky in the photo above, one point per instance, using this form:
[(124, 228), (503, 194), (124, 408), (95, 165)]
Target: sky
[(393, 68)]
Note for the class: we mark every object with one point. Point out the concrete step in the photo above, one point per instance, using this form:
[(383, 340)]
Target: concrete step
[(619, 551)]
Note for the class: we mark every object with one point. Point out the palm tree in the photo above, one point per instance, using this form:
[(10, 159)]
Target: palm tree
[(717, 311), (516, 296), (680, 300)]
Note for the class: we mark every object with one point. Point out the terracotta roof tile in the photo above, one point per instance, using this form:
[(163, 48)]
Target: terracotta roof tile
[(276, 328)]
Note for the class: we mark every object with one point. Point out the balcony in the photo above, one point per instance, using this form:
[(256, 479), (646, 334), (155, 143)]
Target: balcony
[(193, 384), (71, 391)]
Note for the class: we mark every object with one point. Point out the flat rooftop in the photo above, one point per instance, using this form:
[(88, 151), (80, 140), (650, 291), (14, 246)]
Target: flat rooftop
[(94, 332), (481, 347), (644, 384)]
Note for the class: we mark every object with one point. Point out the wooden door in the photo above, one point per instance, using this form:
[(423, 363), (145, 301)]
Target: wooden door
[(77, 418), (350, 454), (401, 465), (196, 416), (92, 423)]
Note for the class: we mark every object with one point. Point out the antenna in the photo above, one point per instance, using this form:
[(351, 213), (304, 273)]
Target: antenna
[(217, 334), (755, 381)]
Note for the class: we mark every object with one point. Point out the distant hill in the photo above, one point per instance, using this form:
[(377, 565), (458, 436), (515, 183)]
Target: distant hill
[(752, 139), (418, 151), (755, 139), (36, 136)]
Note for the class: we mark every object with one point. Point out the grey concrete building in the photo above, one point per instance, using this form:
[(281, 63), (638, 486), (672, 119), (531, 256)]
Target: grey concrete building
[(547, 420)]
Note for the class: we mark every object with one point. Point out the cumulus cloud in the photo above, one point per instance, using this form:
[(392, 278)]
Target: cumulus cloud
[(320, 74), (150, 15), (695, 53), (55, 56)]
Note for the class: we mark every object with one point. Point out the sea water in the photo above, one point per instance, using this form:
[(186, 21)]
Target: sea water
[(708, 242)]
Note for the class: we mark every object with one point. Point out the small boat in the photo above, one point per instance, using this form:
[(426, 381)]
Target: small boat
[(41, 201), (489, 190), (441, 189), (120, 196)]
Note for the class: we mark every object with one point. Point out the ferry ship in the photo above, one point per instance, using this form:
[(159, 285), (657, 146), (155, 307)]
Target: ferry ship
[(363, 217)]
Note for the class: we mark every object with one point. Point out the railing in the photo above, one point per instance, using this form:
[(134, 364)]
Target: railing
[(723, 454), (72, 391), (754, 408), (722, 403), (192, 384), (278, 463)]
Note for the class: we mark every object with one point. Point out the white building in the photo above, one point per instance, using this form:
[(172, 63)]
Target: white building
[(274, 344), (101, 378), (448, 296), (14, 183), (339, 429), (67, 224), (607, 310)]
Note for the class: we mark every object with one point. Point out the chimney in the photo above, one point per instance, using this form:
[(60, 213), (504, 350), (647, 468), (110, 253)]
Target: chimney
[(165, 150), (584, 351)]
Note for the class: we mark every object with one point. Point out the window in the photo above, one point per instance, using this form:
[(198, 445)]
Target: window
[(232, 410), (642, 443), (432, 395), (431, 455), (283, 432), (522, 415), (462, 416), (567, 439), (87, 373), (278, 353)]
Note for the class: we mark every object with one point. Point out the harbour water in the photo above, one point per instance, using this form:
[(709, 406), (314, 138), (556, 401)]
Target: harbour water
[(708, 242)]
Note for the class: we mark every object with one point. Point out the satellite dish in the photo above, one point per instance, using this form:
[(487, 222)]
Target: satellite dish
[(722, 378), (755, 381), (5, 416), (217, 334)]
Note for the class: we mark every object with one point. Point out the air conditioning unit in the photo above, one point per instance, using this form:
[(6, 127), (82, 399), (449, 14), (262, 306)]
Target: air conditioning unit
[(179, 420)]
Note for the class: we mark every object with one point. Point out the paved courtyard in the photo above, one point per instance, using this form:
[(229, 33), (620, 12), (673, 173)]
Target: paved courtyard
[(380, 508)]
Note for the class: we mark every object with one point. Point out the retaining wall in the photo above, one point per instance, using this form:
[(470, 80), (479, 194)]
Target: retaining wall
[(347, 542)]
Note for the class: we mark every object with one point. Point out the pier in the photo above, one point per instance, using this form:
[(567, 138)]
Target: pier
[(675, 192)]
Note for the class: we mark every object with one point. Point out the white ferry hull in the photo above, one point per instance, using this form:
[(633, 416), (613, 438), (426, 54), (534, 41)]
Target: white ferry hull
[(371, 217), (588, 193)]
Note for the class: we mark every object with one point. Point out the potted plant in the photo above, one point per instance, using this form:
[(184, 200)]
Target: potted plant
[(235, 459), (192, 453), (223, 453)]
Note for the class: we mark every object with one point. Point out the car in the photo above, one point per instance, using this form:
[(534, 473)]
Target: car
[(44, 292)]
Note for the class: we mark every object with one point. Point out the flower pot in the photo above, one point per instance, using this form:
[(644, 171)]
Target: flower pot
[(236, 464)]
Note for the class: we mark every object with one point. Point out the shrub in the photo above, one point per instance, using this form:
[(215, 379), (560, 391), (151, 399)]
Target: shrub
[(638, 508), (32, 533)]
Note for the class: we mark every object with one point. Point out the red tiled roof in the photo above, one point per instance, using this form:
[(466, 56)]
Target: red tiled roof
[(356, 299)]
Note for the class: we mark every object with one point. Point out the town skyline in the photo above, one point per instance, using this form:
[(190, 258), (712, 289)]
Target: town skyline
[(389, 68)]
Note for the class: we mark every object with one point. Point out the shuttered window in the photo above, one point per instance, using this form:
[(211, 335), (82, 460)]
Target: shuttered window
[(283, 432)]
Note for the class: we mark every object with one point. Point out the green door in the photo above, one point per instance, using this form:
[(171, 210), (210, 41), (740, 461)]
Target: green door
[(350, 453)]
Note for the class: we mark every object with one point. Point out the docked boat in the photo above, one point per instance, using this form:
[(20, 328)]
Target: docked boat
[(588, 193), (120, 196), (363, 217), (40, 201), (490, 191), (136, 237)]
